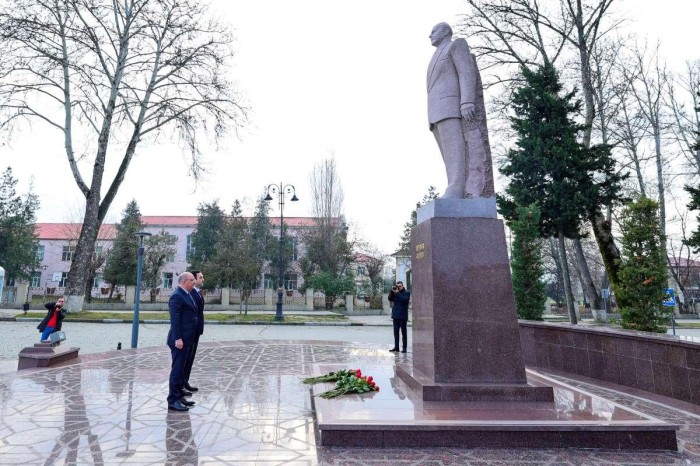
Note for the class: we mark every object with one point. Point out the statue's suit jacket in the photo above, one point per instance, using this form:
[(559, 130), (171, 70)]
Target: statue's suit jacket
[(451, 81)]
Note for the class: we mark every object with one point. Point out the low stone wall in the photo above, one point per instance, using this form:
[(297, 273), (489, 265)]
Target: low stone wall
[(656, 363)]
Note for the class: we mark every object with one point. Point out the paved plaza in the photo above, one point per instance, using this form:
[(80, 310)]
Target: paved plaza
[(109, 408)]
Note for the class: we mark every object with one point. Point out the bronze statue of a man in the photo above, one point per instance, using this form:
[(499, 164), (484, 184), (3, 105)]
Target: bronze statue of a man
[(457, 116)]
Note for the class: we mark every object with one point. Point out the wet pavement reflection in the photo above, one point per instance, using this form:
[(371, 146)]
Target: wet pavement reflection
[(251, 409)]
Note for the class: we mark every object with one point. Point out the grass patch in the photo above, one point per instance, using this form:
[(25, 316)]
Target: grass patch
[(209, 316)]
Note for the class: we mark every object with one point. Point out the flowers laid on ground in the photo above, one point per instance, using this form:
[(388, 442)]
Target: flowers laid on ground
[(346, 381)]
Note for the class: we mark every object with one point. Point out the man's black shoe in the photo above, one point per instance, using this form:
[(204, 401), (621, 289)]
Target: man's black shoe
[(191, 388), (186, 402), (177, 406), (394, 350), (185, 393), (403, 350)]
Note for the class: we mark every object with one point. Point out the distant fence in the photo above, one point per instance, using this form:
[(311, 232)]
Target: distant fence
[(259, 299)]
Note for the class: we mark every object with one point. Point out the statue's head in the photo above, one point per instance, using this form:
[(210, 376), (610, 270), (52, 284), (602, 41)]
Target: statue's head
[(440, 32)]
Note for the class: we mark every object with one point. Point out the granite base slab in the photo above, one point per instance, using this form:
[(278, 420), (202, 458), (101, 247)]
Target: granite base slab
[(45, 355), (484, 207), (396, 417), (429, 390)]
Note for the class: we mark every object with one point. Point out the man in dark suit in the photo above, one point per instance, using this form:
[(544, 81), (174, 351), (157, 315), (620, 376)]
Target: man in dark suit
[(181, 338), (199, 300)]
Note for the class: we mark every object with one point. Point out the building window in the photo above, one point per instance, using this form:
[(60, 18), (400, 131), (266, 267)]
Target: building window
[(96, 280), (295, 256), (35, 279), (171, 257), (68, 252), (167, 280), (98, 252), (290, 281), (270, 281), (62, 281), (189, 248), (40, 252), (360, 271)]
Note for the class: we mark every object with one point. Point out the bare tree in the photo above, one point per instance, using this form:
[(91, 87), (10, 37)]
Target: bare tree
[(113, 74), (330, 243), (650, 87), (685, 93)]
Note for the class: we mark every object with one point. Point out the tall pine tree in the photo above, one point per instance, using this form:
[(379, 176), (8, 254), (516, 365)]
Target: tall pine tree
[(526, 263), (122, 258), (551, 167)]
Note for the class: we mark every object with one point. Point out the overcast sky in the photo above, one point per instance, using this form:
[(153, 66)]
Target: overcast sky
[(321, 77)]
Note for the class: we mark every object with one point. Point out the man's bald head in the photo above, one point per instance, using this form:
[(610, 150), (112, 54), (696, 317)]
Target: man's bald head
[(440, 33), (186, 281)]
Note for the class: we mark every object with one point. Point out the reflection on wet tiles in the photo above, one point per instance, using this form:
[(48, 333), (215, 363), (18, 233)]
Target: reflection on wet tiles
[(251, 409)]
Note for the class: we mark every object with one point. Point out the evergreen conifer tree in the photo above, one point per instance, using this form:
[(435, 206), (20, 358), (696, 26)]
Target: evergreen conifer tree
[(550, 167), (122, 258), (642, 269), (18, 241), (526, 264), (210, 225)]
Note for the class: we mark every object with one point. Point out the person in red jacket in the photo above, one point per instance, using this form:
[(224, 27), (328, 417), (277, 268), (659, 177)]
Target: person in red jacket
[(53, 319)]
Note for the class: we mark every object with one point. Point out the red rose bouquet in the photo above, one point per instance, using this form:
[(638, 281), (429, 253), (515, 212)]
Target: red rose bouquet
[(346, 381)]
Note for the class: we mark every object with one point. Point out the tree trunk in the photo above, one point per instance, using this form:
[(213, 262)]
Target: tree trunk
[(587, 283), (602, 230), (80, 266), (567, 280), (560, 274)]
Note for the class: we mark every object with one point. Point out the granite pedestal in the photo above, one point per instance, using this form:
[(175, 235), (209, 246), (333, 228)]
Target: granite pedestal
[(45, 355), (466, 339)]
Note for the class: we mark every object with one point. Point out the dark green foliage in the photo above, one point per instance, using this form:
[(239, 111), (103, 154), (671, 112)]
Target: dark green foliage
[(331, 284), (405, 244), (642, 269), (549, 166), (18, 241), (262, 238), (694, 240), (210, 225), (526, 264), (234, 264), (122, 258)]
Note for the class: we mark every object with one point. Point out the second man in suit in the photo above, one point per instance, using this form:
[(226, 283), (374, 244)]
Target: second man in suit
[(199, 300)]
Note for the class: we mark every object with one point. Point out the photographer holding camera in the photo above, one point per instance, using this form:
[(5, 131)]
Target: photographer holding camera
[(52, 321), (399, 314)]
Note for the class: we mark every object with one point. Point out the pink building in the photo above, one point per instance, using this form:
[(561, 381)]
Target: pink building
[(57, 244)]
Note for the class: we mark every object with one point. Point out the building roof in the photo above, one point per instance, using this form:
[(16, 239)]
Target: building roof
[(67, 231), (71, 231), (682, 262)]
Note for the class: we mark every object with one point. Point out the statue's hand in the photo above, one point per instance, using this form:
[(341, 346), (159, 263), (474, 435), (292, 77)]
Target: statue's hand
[(468, 111)]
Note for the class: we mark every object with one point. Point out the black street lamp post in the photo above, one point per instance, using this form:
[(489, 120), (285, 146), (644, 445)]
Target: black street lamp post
[(280, 190), (137, 295)]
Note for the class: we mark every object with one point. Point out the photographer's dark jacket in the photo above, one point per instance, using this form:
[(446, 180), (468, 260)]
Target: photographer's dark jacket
[(59, 318), (400, 308)]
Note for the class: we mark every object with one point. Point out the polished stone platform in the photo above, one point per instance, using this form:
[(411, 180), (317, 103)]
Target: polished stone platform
[(398, 414), (45, 355), (109, 408)]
